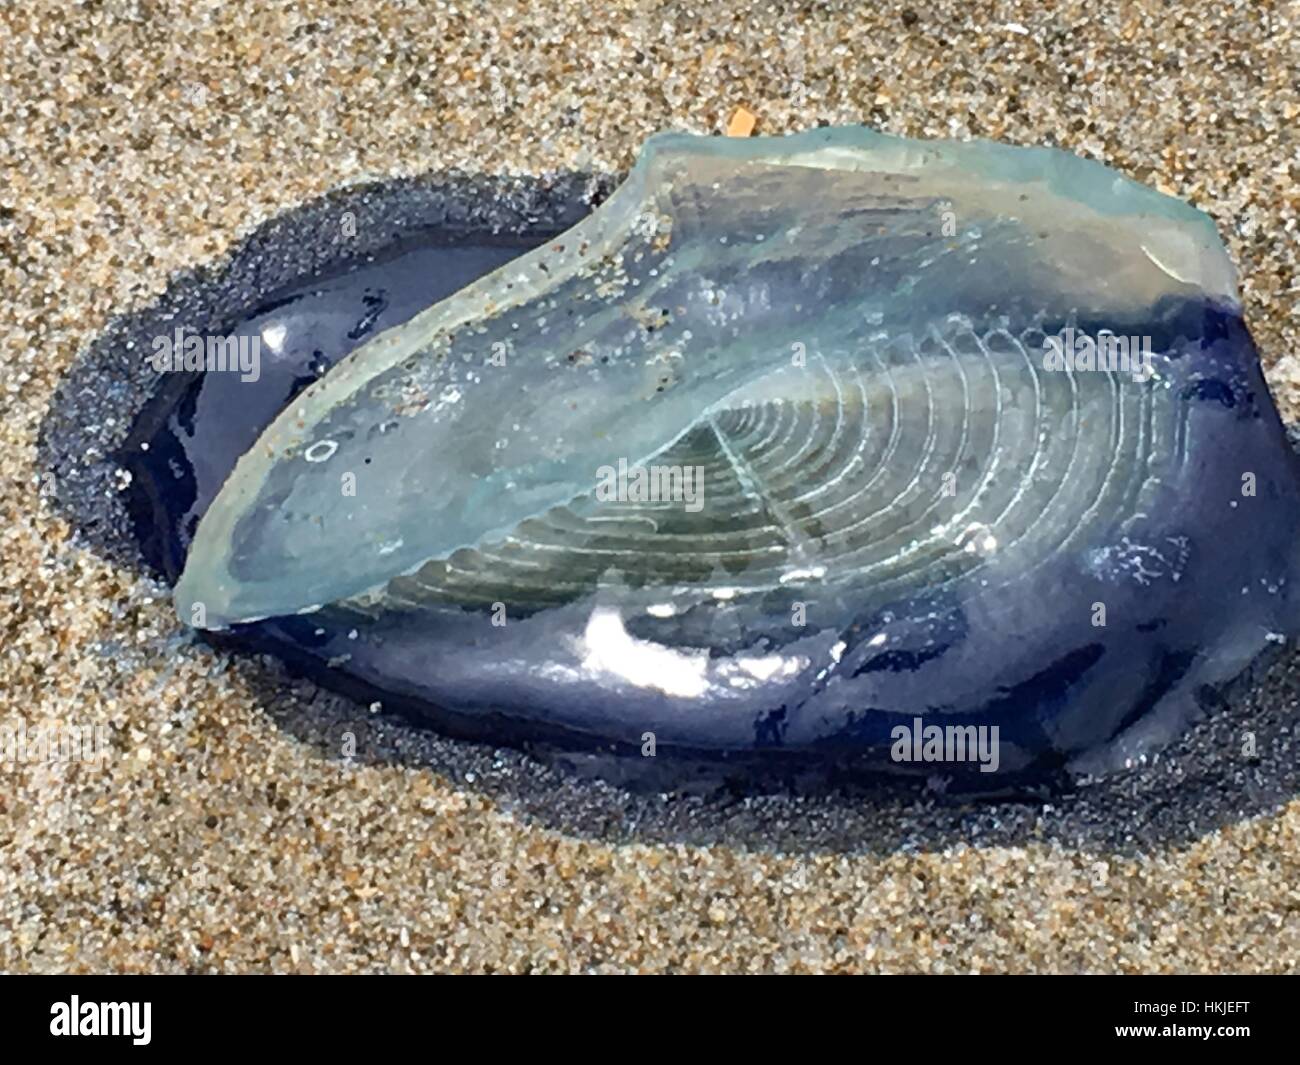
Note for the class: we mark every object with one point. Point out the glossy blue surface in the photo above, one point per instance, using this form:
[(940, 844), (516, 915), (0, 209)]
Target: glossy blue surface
[(1196, 577)]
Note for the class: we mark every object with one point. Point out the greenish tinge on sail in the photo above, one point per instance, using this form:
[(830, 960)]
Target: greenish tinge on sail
[(759, 304)]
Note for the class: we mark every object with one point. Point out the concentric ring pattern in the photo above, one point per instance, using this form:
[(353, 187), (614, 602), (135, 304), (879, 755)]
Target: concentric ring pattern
[(921, 463)]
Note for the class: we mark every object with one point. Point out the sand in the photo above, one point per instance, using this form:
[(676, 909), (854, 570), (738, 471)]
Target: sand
[(224, 830)]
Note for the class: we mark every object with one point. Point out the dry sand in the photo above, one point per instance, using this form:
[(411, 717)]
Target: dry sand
[(140, 141)]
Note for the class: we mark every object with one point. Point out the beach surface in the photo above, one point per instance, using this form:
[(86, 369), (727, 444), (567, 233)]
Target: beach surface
[(225, 829)]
